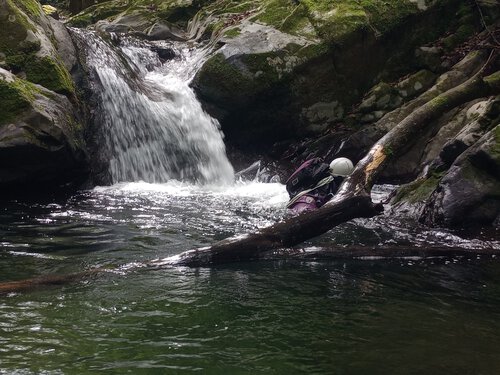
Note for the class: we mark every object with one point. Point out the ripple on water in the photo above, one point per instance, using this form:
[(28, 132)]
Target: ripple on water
[(271, 317)]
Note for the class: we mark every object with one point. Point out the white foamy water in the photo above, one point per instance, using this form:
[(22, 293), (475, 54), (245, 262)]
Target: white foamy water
[(153, 128)]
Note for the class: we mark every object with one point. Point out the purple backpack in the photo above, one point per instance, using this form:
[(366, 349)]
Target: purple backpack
[(307, 176)]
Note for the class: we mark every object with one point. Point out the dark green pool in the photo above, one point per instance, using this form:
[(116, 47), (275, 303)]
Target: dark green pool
[(402, 316)]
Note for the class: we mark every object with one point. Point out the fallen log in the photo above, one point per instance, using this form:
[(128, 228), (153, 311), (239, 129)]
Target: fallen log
[(287, 233)]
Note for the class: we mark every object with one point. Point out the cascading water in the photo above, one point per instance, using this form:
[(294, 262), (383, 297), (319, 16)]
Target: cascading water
[(153, 127)]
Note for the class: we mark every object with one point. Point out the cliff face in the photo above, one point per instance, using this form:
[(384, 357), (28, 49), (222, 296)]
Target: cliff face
[(41, 135)]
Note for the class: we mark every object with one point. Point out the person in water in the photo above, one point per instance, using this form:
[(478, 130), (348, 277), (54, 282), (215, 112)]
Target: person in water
[(321, 184)]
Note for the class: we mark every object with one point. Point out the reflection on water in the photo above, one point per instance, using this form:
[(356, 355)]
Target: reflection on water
[(437, 316)]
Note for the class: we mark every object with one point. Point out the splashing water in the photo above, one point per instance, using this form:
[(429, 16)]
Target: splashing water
[(153, 127)]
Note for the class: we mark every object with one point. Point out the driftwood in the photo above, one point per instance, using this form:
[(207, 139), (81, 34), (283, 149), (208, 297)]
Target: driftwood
[(352, 201)]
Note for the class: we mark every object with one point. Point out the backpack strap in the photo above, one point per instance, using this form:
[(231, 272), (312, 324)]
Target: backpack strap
[(321, 183)]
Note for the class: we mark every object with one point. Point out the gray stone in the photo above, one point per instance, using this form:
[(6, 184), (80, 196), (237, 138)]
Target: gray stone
[(64, 44), (469, 193), (43, 144)]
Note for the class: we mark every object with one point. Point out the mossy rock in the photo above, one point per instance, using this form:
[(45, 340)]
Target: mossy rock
[(23, 48), (417, 191), (176, 12), (16, 96), (51, 74)]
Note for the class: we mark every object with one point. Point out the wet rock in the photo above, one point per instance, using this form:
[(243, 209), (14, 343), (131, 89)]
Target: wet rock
[(41, 138), (30, 46), (105, 27), (469, 193), (429, 58), (477, 119), (64, 46), (262, 71), (162, 31), (164, 53)]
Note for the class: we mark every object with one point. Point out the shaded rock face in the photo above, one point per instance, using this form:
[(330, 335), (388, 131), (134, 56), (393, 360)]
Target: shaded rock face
[(76, 6), (461, 185), (303, 86), (40, 136), (40, 128), (469, 191)]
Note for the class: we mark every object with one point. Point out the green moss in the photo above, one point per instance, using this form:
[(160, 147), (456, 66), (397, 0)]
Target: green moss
[(18, 59), (418, 190), (313, 51), (15, 97), (493, 80), (232, 33), (50, 74), (32, 8), (81, 20), (439, 101), (91, 15), (284, 15), (224, 77), (17, 62), (16, 25), (388, 151)]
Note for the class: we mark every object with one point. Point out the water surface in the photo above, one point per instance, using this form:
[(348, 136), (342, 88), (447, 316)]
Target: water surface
[(400, 316)]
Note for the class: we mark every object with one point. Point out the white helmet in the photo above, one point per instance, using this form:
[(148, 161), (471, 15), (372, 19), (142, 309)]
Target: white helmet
[(341, 167)]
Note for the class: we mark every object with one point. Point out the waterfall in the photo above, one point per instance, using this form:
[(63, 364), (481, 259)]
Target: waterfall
[(152, 127)]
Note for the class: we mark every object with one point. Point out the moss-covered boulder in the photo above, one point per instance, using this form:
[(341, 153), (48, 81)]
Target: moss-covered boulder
[(40, 130), (297, 88), (41, 138), (30, 48)]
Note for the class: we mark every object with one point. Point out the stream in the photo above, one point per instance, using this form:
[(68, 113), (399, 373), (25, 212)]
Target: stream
[(173, 190)]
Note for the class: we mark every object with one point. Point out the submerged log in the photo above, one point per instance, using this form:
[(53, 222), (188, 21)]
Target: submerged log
[(378, 252), (290, 232), (45, 281)]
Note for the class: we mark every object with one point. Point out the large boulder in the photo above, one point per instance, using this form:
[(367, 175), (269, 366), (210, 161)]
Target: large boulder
[(41, 138), (30, 48), (461, 185), (287, 69), (469, 193), (41, 130), (320, 58)]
